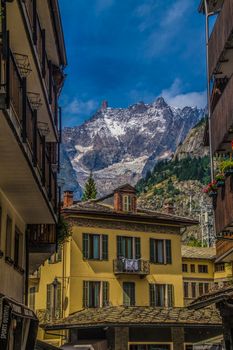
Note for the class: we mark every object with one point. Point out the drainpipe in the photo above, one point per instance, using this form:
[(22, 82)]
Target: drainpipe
[(26, 282), (207, 15)]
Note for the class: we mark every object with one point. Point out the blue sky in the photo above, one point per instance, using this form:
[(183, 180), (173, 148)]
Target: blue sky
[(127, 51)]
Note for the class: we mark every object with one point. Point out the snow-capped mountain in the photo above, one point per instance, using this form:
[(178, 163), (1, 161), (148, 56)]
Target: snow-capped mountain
[(120, 145)]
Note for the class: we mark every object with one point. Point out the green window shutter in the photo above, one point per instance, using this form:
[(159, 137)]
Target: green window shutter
[(105, 293), (85, 245), (137, 248), (104, 247), (58, 299), (170, 296), (119, 246), (168, 251), (152, 251), (85, 294), (152, 295), (49, 297)]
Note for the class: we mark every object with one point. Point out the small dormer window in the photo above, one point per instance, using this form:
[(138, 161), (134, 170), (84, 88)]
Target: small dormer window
[(127, 203)]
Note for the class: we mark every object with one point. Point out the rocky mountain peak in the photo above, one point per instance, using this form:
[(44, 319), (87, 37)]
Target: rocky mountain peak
[(121, 144)]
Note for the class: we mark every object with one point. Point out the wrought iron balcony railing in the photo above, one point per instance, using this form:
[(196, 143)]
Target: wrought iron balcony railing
[(48, 315), (131, 266)]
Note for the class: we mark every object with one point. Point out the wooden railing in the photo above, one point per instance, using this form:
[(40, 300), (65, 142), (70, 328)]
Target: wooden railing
[(220, 35), (42, 234), (224, 246), (224, 206), (222, 117), (131, 266)]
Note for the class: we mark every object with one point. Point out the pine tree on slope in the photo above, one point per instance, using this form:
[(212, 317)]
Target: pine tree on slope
[(90, 191)]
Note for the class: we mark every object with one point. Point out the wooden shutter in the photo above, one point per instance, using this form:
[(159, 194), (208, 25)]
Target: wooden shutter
[(168, 251), (105, 293), (49, 297), (8, 236), (152, 295), (119, 246), (85, 294), (104, 247), (170, 296), (58, 300), (152, 252), (137, 248), (85, 246)]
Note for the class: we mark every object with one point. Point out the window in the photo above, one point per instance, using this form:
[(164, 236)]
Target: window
[(128, 247), (206, 287), (95, 246), (219, 267), (128, 293), (192, 268), (95, 294), (184, 267), (127, 203), (201, 289), (32, 292), (203, 268), (160, 251), (18, 245), (150, 347), (161, 295), (186, 289), (8, 236), (193, 288), (53, 301)]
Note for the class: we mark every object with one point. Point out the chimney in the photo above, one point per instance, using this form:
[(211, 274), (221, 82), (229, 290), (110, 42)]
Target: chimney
[(168, 207), (104, 104), (67, 199)]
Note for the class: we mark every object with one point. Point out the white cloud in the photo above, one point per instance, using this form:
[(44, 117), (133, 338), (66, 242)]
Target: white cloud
[(176, 98), (78, 107), (175, 12), (169, 27), (102, 5)]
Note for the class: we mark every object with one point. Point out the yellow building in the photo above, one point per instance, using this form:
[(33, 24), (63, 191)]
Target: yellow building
[(201, 273), (32, 57), (119, 256)]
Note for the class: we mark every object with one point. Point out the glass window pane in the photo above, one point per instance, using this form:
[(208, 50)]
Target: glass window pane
[(96, 245)]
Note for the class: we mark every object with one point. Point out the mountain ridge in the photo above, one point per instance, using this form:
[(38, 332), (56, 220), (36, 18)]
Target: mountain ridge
[(121, 144)]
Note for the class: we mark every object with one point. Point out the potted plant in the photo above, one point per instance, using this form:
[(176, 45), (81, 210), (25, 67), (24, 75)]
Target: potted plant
[(226, 167), (211, 189), (220, 178)]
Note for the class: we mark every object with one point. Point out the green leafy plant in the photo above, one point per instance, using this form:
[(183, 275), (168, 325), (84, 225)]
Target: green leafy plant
[(226, 166), (64, 230)]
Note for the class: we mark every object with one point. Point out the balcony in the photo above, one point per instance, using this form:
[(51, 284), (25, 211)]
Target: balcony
[(44, 65), (222, 120), (48, 315), (224, 248), (224, 207), (42, 157), (131, 267), (220, 36), (42, 243)]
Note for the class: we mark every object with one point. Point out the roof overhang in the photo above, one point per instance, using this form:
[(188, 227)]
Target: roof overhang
[(226, 257), (145, 219), (214, 6)]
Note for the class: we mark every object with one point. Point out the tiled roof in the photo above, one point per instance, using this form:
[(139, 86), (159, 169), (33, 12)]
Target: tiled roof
[(214, 296), (138, 315), (198, 253), (95, 206)]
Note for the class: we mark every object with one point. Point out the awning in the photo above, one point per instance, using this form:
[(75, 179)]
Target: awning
[(9, 310)]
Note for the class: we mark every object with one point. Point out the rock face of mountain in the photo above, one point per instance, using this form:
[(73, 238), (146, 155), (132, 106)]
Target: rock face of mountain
[(120, 145)]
